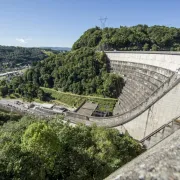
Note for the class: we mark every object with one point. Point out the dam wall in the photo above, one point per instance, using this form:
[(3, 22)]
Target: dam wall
[(150, 97), (166, 60), (159, 162), (162, 64), (158, 114)]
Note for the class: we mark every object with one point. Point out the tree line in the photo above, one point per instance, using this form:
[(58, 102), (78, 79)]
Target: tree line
[(140, 37)]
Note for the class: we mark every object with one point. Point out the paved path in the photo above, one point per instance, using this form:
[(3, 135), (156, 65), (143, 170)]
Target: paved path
[(12, 105)]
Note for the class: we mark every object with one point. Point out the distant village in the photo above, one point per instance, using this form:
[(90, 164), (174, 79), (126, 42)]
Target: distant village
[(10, 72)]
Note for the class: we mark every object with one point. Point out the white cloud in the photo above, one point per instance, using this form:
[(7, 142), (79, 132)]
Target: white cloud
[(23, 40)]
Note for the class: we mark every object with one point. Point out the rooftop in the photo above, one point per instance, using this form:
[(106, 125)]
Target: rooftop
[(87, 109)]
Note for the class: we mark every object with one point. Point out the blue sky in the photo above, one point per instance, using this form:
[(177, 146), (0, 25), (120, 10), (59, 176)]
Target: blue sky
[(61, 22)]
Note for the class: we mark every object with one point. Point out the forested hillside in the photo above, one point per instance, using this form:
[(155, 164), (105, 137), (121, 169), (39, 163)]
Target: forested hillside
[(81, 71), (48, 149), (140, 37), (11, 56)]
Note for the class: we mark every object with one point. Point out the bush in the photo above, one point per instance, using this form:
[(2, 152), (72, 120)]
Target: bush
[(38, 149)]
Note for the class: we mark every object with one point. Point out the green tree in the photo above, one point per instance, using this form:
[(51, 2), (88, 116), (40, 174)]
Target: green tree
[(154, 47), (3, 91), (41, 140), (41, 95), (146, 47), (35, 149), (20, 165), (112, 85)]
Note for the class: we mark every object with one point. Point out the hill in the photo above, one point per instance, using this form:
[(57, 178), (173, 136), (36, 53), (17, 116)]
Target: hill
[(140, 37), (57, 48), (83, 71), (12, 57)]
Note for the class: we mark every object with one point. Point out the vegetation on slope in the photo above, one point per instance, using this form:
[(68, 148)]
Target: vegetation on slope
[(74, 100), (140, 37), (18, 87), (41, 149), (11, 57), (82, 72), (6, 116)]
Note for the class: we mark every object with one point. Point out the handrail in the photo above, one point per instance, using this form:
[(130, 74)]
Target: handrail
[(146, 52), (159, 129)]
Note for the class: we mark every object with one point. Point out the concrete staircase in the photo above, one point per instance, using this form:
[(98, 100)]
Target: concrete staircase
[(161, 133)]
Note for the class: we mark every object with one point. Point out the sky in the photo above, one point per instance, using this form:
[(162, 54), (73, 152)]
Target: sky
[(59, 23)]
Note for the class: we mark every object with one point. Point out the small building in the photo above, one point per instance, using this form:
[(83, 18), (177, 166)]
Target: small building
[(88, 108), (47, 106)]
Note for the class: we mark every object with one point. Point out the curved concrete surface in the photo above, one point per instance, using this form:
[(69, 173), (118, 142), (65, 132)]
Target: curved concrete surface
[(160, 162), (150, 97)]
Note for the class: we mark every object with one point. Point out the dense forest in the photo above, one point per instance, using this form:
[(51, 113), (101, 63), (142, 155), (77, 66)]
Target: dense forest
[(83, 71), (140, 37), (11, 56), (49, 149)]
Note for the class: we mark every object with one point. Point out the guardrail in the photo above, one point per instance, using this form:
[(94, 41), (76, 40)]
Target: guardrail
[(146, 52), (159, 129)]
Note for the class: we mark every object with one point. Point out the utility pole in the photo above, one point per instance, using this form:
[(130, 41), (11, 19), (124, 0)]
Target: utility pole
[(103, 22), (103, 25)]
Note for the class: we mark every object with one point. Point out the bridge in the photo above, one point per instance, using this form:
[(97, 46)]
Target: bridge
[(150, 97)]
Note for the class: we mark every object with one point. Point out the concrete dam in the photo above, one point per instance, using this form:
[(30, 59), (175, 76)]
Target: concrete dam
[(150, 98)]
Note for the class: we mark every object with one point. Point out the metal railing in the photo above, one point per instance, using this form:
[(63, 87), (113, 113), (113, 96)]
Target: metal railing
[(159, 129)]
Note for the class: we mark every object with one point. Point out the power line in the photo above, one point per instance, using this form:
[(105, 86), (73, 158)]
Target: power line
[(103, 25), (103, 22)]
